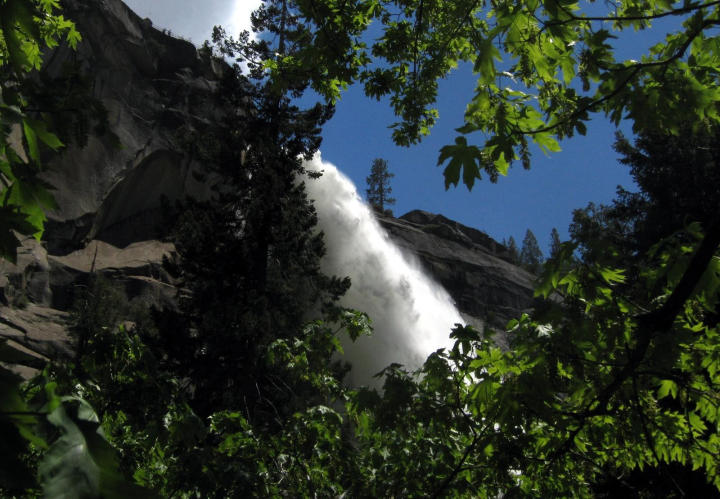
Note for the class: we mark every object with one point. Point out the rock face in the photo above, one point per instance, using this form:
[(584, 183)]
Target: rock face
[(155, 88), (468, 263), (110, 192)]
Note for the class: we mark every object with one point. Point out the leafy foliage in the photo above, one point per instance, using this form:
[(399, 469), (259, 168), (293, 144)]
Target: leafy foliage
[(542, 68), (75, 460), (17, 424), (81, 462), (146, 411), (678, 180), (598, 390)]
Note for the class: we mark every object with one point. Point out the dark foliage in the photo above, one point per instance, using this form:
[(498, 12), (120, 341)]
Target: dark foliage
[(249, 258), (531, 256), (679, 183)]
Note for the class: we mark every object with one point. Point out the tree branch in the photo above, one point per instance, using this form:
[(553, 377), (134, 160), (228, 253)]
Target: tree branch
[(586, 108), (448, 480), (635, 70), (675, 12), (652, 324)]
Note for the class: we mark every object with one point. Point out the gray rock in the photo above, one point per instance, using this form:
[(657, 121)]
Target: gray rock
[(467, 263), (137, 267), (28, 280), (39, 329), (153, 87), (450, 229)]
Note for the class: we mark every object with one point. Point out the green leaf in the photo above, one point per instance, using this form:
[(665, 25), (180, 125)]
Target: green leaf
[(696, 422), (18, 427), (484, 391), (547, 142), (463, 158), (81, 463), (502, 164), (356, 323), (23, 13), (579, 443), (568, 68), (48, 138), (31, 139), (612, 276), (29, 198), (667, 387), (15, 52), (485, 60)]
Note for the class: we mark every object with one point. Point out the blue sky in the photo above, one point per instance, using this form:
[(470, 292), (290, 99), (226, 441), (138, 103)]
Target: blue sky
[(540, 199)]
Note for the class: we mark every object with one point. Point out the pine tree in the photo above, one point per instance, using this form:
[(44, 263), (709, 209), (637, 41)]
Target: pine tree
[(379, 190), (249, 259), (554, 242), (531, 256), (513, 250), (678, 182)]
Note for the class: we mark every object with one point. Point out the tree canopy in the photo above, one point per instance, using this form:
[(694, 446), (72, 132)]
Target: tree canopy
[(249, 258), (542, 68)]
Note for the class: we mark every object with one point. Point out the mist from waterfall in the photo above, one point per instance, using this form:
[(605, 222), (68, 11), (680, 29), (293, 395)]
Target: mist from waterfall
[(412, 316)]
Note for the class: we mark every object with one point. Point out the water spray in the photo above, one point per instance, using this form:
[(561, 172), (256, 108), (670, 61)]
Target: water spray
[(412, 315)]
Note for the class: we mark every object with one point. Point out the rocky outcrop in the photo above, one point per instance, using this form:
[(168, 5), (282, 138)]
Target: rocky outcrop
[(37, 293), (137, 268), (468, 263), (35, 329), (110, 192), (155, 88)]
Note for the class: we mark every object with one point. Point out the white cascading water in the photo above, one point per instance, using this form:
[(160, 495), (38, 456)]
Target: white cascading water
[(412, 316)]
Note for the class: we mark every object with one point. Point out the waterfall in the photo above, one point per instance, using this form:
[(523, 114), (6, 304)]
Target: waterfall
[(412, 316)]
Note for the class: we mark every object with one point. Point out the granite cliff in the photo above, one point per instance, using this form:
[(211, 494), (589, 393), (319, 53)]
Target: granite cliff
[(469, 264), (155, 89)]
